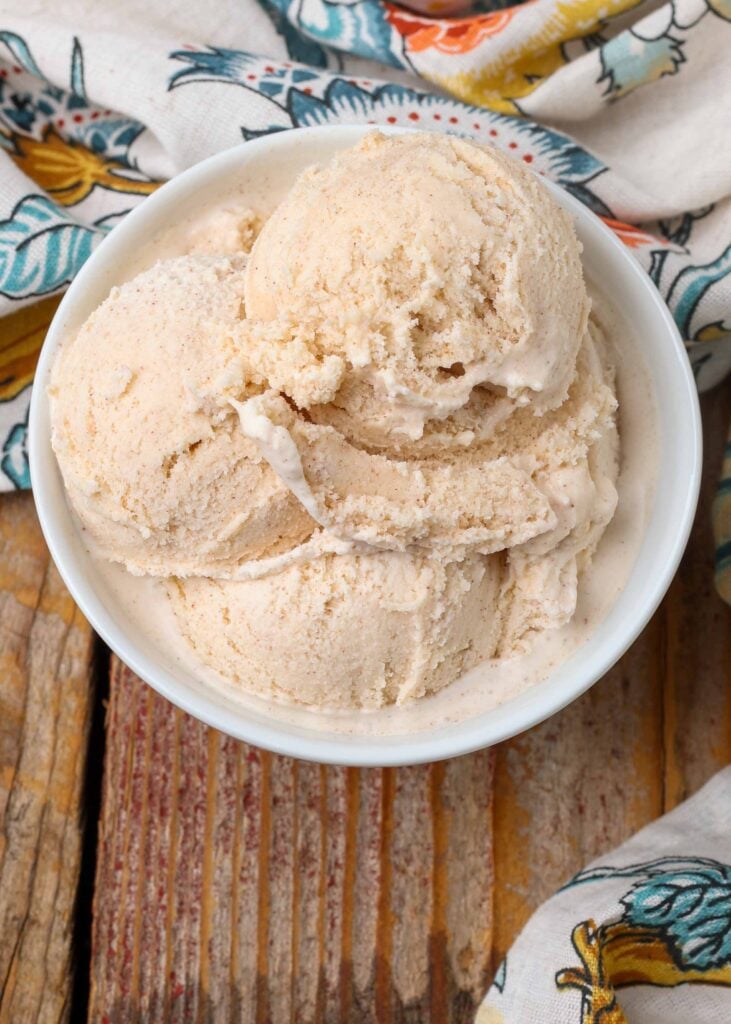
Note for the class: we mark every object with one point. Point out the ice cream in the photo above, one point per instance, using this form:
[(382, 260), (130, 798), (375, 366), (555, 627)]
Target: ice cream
[(377, 451), (408, 272), (574, 460), (148, 443), (346, 631), (453, 506)]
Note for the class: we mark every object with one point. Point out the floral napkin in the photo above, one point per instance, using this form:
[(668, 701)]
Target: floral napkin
[(643, 936), (623, 103)]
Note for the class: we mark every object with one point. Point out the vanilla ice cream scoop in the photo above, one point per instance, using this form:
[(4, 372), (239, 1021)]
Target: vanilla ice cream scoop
[(574, 457), (416, 268), (377, 450), (452, 506), (525, 487), (346, 631), (151, 453)]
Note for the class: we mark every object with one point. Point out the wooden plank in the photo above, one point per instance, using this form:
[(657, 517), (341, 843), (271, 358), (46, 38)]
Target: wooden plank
[(370, 881), (410, 852), (577, 785), (697, 698), (334, 782), (463, 828), (235, 884), (309, 885), (46, 651), (645, 737)]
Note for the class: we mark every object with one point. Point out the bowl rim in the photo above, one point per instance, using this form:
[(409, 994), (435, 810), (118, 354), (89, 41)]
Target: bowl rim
[(327, 748)]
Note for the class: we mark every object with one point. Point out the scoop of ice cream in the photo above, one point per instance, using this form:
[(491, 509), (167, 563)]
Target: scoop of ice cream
[(151, 453), (407, 272), (525, 487), (228, 230), (357, 413), (575, 463), (466, 503), (346, 631), (391, 462)]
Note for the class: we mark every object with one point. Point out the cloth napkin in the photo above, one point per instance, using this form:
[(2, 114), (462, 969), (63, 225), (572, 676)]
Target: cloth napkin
[(625, 104), (642, 936)]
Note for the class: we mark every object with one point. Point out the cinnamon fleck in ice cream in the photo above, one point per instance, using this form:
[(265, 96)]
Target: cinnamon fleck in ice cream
[(373, 452)]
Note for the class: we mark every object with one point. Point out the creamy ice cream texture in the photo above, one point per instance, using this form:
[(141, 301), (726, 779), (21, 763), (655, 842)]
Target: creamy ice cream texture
[(407, 273), (348, 630), (377, 451), (148, 442)]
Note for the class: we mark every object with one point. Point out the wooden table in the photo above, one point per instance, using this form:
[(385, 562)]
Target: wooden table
[(155, 870)]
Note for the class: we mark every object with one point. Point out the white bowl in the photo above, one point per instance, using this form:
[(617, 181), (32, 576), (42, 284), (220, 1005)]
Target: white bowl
[(264, 168)]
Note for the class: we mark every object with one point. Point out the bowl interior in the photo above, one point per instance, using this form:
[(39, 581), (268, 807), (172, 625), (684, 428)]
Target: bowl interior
[(260, 172)]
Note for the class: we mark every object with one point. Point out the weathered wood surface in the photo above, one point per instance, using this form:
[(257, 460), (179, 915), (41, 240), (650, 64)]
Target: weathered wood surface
[(45, 707), (238, 885), (234, 884)]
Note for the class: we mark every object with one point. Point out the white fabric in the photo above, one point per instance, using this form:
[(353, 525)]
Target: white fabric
[(642, 936)]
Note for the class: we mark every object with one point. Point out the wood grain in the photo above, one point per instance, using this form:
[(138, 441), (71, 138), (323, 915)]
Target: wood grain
[(45, 710), (697, 690), (577, 786), (234, 884)]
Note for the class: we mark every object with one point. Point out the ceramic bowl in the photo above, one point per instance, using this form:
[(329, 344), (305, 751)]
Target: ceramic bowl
[(263, 169)]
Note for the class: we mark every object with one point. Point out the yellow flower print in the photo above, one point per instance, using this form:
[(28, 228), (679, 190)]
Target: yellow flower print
[(518, 70), (722, 8), (489, 1015), (69, 171), (598, 997), (711, 332), (20, 342)]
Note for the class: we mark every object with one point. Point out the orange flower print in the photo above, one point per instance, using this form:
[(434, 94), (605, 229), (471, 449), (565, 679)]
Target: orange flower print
[(447, 35), (631, 236)]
